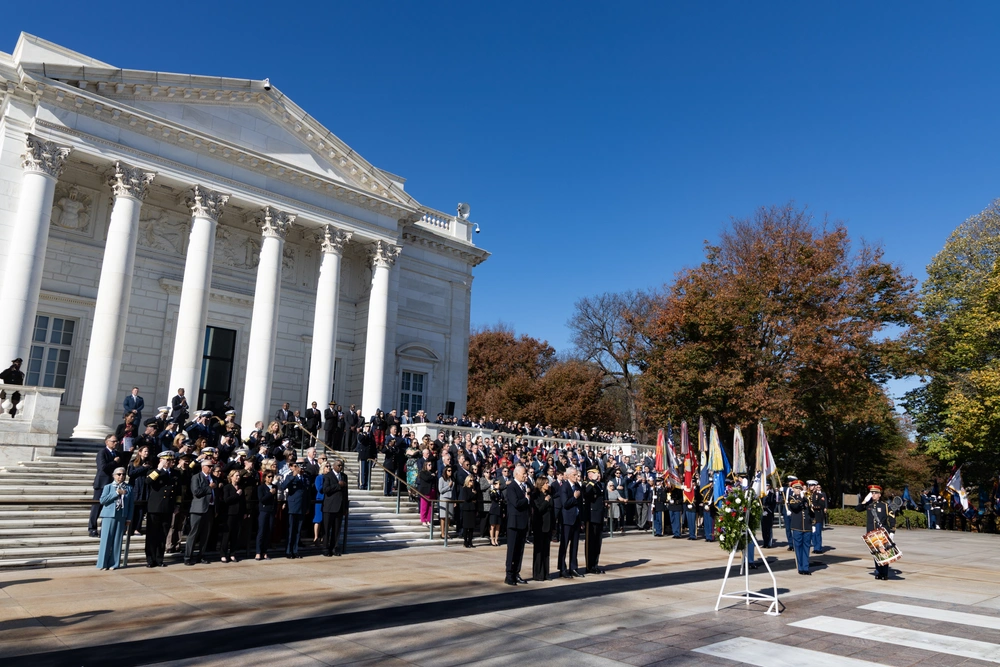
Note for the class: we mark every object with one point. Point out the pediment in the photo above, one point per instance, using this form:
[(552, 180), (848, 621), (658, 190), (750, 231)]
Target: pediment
[(247, 127)]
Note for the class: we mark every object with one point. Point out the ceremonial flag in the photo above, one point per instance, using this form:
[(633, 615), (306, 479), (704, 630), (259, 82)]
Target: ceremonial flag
[(955, 484), (685, 443), (672, 462), (688, 487), (705, 481), (718, 463), (739, 455), (660, 452), (765, 461), (907, 500), (702, 441)]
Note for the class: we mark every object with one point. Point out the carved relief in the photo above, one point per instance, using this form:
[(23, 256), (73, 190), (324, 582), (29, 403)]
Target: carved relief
[(235, 248), (162, 231), (73, 208), (288, 258)]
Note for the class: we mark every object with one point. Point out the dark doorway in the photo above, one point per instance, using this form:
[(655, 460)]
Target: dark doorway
[(217, 368)]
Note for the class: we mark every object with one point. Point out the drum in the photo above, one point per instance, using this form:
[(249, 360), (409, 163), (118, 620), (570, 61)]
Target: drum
[(884, 551)]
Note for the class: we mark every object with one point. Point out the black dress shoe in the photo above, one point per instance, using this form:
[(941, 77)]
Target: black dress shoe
[(337, 553), (328, 555), (163, 564), (564, 574), (94, 533), (510, 582), (189, 562), (520, 580), (753, 566), (150, 565), (576, 573), (204, 561), (595, 570)]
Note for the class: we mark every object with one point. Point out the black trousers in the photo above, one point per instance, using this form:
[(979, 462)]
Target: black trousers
[(95, 511), (516, 539), (230, 538), (201, 528), (331, 532), (265, 524), (594, 536), (767, 530), (157, 525), (570, 543), (541, 545)]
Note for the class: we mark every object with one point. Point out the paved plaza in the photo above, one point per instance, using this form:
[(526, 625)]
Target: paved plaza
[(435, 606)]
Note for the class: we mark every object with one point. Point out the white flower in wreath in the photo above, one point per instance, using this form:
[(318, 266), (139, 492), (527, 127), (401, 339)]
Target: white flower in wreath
[(738, 501)]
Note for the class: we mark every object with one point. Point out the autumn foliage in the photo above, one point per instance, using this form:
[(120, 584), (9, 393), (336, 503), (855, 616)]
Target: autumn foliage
[(784, 321), (518, 377)]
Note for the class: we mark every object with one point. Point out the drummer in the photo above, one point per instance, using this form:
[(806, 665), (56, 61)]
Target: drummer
[(879, 516)]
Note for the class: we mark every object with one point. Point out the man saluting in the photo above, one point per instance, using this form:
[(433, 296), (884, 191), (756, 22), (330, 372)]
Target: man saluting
[(879, 516)]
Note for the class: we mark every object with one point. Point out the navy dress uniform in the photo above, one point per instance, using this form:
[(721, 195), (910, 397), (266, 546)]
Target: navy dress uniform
[(800, 517), (878, 516), (162, 486), (820, 504)]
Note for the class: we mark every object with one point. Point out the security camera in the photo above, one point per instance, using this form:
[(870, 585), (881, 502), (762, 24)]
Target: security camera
[(267, 84), (476, 225)]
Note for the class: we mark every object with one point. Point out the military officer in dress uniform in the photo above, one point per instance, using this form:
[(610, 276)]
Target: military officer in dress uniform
[(595, 496), (786, 515), (800, 517), (162, 486), (675, 507), (879, 516)]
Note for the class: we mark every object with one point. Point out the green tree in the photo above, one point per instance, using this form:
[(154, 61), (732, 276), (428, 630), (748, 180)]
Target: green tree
[(956, 410), (783, 322)]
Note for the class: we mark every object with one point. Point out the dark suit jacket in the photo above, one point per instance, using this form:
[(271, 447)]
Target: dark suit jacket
[(517, 507), (267, 500), (236, 503), (311, 420), (570, 505), (334, 495), (106, 465), (330, 420), (162, 485), (178, 408), (134, 403), (542, 515)]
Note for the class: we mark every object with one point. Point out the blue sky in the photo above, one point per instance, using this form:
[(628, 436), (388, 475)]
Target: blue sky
[(600, 144)]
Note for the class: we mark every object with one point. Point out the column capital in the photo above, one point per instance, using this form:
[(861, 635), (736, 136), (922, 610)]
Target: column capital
[(126, 181), (274, 223), (383, 254), (333, 239), (44, 157), (205, 203)]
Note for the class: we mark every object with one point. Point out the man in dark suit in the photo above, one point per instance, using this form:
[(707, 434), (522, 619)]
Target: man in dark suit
[(107, 460), (202, 512), (334, 507), (284, 417), (330, 426), (162, 486), (350, 439), (518, 503), (570, 496), (134, 403), (179, 408), (295, 487), (312, 418)]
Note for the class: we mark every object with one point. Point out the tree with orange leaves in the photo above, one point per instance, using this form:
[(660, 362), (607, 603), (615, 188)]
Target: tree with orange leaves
[(783, 322)]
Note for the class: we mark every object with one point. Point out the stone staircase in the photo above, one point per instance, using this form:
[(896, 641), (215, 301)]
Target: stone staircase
[(42, 534)]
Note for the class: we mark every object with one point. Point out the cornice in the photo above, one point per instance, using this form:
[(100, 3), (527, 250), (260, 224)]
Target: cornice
[(469, 254), (375, 192), (171, 286), (73, 299), (217, 181)]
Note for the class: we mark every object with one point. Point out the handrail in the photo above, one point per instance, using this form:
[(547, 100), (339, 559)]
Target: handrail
[(638, 449)]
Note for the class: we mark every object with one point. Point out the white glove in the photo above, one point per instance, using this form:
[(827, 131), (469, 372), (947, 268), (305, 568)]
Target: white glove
[(892, 536), (867, 498)]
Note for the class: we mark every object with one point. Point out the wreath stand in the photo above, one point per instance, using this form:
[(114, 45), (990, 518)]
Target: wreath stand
[(746, 594)]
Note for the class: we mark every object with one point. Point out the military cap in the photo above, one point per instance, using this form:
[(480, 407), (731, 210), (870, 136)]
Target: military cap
[(152, 421), (163, 408), (875, 487), (791, 478), (166, 455), (230, 412), (209, 450), (797, 484), (812, 482)]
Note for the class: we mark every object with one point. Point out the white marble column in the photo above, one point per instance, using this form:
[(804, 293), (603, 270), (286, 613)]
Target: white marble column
[(264, 326), (383, 255), (43, 162), (324, 339), (192, 316), (107, 337)]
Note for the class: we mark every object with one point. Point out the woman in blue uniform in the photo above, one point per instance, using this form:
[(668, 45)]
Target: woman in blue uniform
[(116, 516)]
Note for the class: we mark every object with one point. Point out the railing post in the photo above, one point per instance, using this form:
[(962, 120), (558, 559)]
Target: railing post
[(446, 526), (432, 520), (399, 494)]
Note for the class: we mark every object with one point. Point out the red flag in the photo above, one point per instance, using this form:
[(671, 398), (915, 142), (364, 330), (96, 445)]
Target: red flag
[(660, 452), (688, 487)]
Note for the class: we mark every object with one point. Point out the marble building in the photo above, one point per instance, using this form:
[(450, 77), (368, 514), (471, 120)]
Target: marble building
[(163, 231)]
